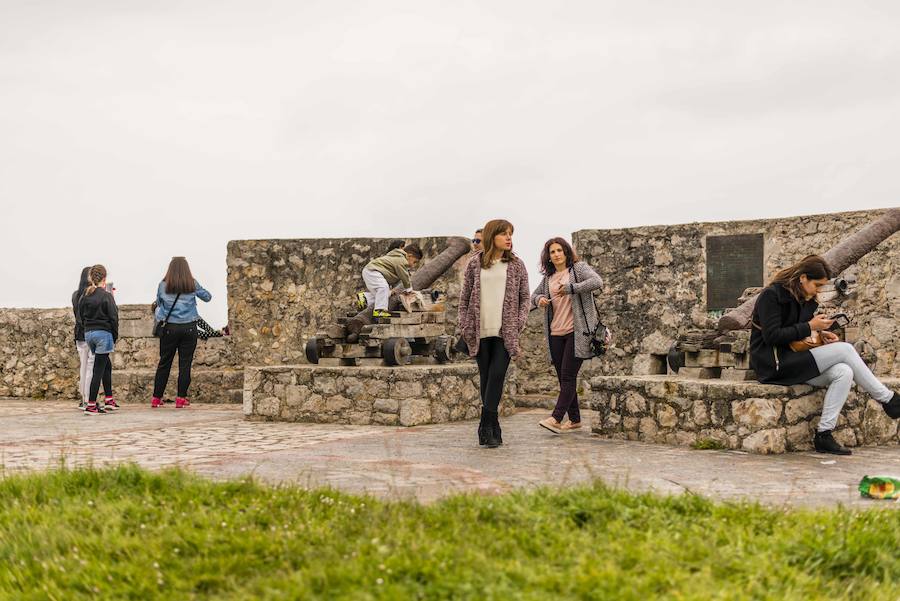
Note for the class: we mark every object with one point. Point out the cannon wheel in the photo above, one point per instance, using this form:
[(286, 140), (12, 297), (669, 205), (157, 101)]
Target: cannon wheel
[(443, 346), (395, 350), (312, 351), (675, 358)]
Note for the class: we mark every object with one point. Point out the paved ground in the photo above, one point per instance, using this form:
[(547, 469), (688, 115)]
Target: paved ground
[(425, 462)]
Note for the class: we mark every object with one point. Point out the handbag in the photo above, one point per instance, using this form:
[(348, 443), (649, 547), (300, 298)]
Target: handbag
[(159, 326), (798, 346), (600, 336)]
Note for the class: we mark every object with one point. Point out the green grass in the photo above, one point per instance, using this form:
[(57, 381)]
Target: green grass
[(125, 533), (707, 444)]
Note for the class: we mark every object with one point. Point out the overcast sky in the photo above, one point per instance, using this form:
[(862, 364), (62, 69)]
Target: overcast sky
[(132, 131)]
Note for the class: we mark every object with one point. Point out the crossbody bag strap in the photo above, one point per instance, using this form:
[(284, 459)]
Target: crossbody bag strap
[(172, 308)]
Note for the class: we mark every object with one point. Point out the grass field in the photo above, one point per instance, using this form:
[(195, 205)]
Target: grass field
[(125, 533)]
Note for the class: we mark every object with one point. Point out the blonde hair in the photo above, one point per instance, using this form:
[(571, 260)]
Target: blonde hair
[(96, 275)]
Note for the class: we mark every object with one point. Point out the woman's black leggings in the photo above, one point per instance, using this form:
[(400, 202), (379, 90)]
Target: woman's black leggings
[(493, 361), (178, 338), (102, 373)]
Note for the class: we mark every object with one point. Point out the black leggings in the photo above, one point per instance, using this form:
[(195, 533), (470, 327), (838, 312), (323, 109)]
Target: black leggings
[(493, 361), (562, 351), (180, 338), (102, 373)]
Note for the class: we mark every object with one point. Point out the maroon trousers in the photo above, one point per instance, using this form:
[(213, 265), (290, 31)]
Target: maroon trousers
[(562, 352)]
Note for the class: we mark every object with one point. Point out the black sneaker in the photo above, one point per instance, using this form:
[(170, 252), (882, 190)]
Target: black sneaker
[(825, 443), (892, 407), (94, 409)]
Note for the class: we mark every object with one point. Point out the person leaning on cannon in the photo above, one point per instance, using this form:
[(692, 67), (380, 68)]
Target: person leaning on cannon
[(790, 344)]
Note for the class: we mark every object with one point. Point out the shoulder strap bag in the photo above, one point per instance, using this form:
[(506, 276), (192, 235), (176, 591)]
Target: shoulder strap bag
[(600, 336), (159, 326)]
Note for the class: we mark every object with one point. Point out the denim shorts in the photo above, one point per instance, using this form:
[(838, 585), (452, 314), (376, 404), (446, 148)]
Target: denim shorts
[(99, 341)]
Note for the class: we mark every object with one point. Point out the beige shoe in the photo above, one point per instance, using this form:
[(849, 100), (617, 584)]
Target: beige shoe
[(551, 424), (570, 426)]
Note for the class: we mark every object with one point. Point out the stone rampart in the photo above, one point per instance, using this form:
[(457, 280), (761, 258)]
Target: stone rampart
[(759, 418), (404, 396), (40, 360), (656, 283), (280, 292)]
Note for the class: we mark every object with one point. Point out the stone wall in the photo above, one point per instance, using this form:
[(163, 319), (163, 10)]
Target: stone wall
[(404, 396), (656, 283), (754, 417), (40, 360), (282, 291)]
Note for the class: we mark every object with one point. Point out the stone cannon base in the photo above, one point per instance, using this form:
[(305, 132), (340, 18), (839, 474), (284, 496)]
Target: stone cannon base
[(750, 416), (405, 396)]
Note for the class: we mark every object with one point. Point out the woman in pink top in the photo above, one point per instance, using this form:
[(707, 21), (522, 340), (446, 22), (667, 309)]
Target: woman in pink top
[(566, 295)]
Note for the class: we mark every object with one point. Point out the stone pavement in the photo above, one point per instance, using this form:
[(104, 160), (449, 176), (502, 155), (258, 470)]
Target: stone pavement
[(424, 462)]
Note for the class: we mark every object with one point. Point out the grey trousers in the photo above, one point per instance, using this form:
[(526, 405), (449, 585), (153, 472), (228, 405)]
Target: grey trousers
[(839, 367)]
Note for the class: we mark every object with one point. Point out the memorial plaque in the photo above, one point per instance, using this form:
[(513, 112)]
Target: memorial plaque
[(733, 263)]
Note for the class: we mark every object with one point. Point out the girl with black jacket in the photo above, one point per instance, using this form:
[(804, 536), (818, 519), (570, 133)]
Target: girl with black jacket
[(85, 356), (785, 313), (100, 318)]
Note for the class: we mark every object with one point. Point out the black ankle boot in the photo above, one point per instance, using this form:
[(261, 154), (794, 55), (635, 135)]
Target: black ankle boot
[(892, 407), (482, 430), (825, 443), (490, 437), (498, 434)]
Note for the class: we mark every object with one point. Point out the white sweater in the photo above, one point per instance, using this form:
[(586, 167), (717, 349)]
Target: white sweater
[(493, 290)]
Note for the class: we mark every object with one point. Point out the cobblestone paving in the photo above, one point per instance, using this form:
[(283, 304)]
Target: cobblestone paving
[(425, 462)]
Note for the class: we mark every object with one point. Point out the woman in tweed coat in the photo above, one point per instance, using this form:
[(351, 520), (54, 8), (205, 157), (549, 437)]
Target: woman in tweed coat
[(565, 294), (493, 307)]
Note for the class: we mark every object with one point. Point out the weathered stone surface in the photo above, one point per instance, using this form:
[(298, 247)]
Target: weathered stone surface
[(765, 441), (756, 413), (426, 394), (741, 415)]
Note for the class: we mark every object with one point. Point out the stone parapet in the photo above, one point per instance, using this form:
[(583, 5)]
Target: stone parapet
[(397, 396), (207, 385), (750, 416)]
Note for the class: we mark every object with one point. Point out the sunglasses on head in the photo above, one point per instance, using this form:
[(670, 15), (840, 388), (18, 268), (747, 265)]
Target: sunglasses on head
[(476, 240)]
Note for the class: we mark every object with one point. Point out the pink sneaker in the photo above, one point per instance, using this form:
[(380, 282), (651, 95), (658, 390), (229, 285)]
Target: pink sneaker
[(156, 403), (181, 403), (110, 403)]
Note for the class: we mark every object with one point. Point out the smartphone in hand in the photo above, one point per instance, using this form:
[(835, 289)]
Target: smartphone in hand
[(840, 321)]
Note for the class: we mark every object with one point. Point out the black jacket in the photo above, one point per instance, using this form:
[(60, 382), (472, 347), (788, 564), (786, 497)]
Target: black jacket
[(98, 311), (79, 327), (780, 319)]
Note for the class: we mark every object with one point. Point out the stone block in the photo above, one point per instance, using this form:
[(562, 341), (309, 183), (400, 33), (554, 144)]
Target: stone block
[(414, 412), (756, 413), (803, 408), (666, 416), (700, 373), (799, 436), (765, 442), (635, 404), (733, 374), (386, 405), (268, 407), (699, 413)]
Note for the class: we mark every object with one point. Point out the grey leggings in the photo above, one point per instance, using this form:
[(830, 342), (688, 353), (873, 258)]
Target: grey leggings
[(839, 366)]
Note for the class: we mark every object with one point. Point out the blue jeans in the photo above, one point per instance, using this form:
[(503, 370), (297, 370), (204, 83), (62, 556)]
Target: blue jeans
[(99, 341)]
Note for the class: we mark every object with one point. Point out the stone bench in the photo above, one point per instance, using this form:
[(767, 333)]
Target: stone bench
[(405, 396), (750, 416)]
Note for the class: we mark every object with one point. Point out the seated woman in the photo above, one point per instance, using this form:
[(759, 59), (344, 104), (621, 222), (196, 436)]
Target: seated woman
[(785, 313)]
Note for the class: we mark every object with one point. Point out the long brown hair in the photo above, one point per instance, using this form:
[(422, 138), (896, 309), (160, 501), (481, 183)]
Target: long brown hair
[(178, 278), (547, 266), (491, 229), (96, 275), (813, 267)]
